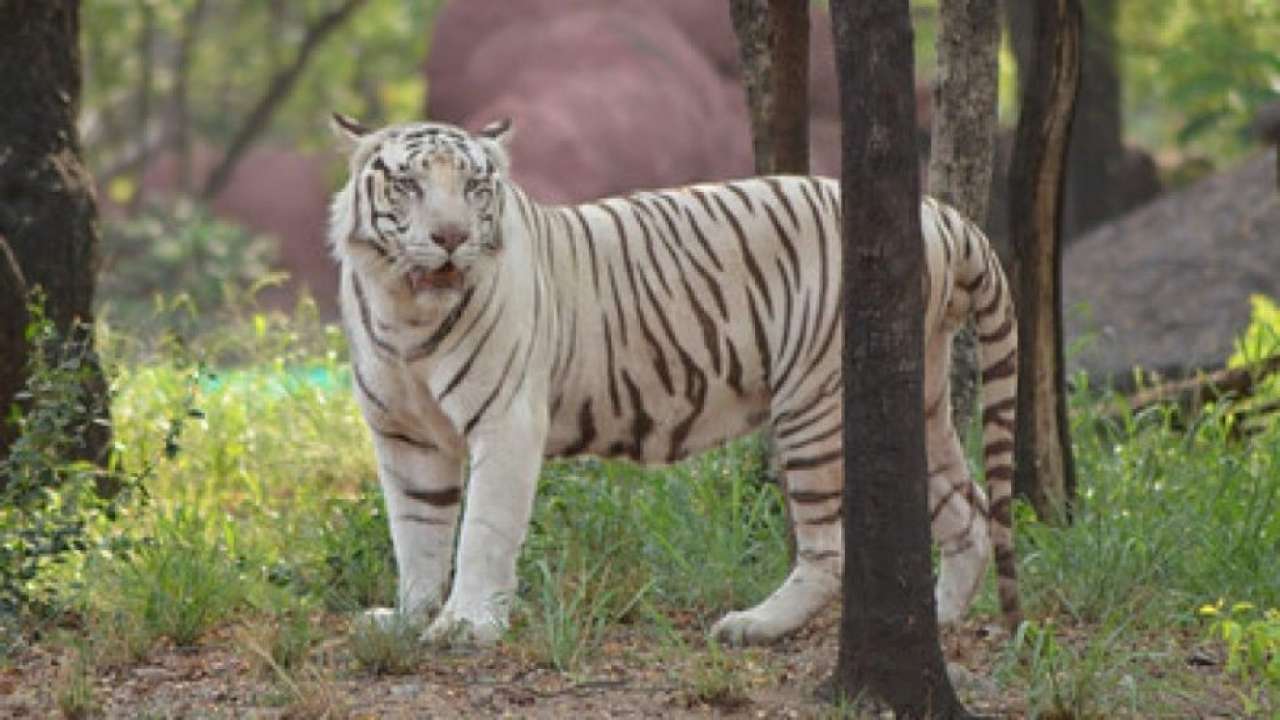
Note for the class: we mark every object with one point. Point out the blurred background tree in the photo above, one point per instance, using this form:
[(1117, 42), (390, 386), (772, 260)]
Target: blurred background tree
[(171, 86)]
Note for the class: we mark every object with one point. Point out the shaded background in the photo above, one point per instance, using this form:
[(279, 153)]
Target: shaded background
[(614, 96)]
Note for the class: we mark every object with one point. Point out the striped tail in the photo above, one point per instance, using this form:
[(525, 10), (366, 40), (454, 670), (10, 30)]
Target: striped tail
[(992, 305)]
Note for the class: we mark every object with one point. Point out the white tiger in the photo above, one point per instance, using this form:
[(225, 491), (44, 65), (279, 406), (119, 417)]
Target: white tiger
[(490, 331)]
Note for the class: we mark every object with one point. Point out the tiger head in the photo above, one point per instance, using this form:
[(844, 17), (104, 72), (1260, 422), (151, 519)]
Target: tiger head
[(423, 204)]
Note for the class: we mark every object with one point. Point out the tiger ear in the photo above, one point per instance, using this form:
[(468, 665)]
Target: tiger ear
[(496, 139), (348, 130), (500, 131)]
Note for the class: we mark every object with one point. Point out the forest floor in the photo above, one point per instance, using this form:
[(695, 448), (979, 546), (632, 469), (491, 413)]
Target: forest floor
[(631, 676)]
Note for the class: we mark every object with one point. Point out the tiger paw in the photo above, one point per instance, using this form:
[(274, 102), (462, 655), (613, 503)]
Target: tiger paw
[(459, 629), (747, 627), (380, 618)]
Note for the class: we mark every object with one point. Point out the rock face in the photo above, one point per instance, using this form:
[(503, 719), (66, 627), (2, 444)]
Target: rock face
[(1167, 286), (612, 97)]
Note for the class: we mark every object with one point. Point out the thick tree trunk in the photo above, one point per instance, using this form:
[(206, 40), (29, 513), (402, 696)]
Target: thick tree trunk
[(1045, 466), (47, 206), (1095, 158), (888, 635), (962, 151), (773, 40)]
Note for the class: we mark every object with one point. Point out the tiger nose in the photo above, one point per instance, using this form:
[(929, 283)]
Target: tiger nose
[(449, 238)]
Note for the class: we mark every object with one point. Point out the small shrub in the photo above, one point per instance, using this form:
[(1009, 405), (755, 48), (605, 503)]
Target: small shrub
[(359, 565), (74, 691), (390, 646), (177, 248), (279, 642), (52, 504), (716, 680), (573, 602), (177, 584), (1251, 639)]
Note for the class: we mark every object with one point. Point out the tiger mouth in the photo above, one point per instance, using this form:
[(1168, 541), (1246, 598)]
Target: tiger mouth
[(445, 277)]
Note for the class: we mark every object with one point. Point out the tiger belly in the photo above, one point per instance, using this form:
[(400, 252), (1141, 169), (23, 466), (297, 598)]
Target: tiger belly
[(653, 429)]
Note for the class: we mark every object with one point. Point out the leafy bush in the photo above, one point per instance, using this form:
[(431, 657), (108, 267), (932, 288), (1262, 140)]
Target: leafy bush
[(51, 504), (178, 249), (1252, 642)]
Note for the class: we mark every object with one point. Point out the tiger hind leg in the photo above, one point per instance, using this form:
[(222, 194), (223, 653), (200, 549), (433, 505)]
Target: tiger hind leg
[(814, 482), (958, 515)]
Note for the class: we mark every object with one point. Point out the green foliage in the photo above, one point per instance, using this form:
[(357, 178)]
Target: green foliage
[(1261, 339), (359, 567), (74, 691), (369, 67), (387, 647), (53, 506), (179, 583), (1065, 680), (179, 249), (1195, 71), (1251, 638), (270, 513)]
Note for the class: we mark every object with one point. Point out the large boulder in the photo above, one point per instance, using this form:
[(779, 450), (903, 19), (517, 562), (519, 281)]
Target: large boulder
[(610, 97), (1167, 287), (609, 100)]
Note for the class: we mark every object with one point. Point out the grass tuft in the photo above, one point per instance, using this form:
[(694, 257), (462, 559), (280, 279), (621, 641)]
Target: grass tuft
[(387, 647)]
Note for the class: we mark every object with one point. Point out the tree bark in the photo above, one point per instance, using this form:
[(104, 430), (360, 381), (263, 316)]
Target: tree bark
[(773, 40), (962, 151), (789, 31), (888, 634), (180, 111), (47, 205), (1095, 158), (1045, 472), (751, 25), (277, 92)]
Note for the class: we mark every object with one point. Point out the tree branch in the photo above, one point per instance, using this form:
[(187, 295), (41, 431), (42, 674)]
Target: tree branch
[(1194, 393), (277, 92)]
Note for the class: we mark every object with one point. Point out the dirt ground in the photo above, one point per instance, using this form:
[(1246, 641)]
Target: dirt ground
[(631, 677)]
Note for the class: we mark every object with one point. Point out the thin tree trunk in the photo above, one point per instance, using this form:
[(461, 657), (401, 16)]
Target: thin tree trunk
[(146, 90), (1095, 156), (962, 151), (47, 206), (888, 634), (789, 31), (180, 112), (277, 92), (1045, 472), (773, 42)]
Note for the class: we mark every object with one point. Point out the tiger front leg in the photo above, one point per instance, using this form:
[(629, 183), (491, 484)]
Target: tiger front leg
[(422, 489), (505, 461)]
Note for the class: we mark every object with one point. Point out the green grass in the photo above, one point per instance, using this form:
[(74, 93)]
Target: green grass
[(264, 511)]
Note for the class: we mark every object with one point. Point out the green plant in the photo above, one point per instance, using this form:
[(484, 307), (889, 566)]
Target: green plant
[(358, 564), (178, 583), (715, 679), (278, 642), (574, 601), (390, 646), (177, 248), (1251, 638), (1063, 679), (54, 505), (74, 690)]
